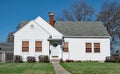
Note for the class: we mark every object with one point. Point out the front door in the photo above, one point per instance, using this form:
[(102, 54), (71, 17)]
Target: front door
[(55, 50)]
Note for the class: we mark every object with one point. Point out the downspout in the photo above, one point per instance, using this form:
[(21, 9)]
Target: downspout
[(49, 47)]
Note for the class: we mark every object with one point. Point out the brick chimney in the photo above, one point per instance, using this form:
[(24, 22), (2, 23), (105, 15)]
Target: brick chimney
[(51, 18)]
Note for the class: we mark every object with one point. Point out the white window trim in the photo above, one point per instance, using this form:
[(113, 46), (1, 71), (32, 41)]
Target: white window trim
[(92, 43)]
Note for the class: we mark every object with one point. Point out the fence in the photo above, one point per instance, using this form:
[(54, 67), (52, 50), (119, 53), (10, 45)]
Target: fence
[(6, 56)]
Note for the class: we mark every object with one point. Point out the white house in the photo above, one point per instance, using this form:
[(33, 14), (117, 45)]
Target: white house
[(73, 40)]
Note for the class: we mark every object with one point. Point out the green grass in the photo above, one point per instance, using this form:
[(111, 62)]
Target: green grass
[(92, 68), (26, 68)]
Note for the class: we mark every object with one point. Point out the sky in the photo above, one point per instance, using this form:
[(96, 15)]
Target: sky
[(12, 12)]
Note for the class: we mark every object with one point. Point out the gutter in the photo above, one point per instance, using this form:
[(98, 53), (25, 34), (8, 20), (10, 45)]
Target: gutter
[(86, 37)]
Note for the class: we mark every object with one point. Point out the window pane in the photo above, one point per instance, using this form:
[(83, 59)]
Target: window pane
[(66, 44), (38, 43), (25, 43), (96, 47), (66, 47), (96, 50), (25, 46), (38, 46), (88, 47), (88, 50)]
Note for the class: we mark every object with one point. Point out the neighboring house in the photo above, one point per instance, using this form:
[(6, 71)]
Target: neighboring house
[(10, 37), (6, 52), (73, 40)]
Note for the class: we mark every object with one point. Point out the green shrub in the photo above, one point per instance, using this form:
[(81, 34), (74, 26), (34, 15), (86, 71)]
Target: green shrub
[(18, 59), (46, 59), (43, 58), (61, 61), (113, 59), (31, 59)]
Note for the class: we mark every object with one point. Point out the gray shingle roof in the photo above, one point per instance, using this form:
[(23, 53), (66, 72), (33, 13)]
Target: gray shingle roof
[(79, 28), (6, 46)]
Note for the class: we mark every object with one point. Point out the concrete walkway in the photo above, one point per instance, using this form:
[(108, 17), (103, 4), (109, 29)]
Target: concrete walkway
[(59, 69)]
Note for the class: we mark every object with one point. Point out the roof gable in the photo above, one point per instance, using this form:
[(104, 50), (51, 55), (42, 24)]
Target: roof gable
[(54, 33), (31, 28), (44, 25)]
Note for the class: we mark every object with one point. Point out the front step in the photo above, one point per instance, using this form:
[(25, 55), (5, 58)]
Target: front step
[(55, 60)]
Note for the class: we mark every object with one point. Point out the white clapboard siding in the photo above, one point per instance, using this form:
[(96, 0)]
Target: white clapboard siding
[(31, 34), (77, 49)]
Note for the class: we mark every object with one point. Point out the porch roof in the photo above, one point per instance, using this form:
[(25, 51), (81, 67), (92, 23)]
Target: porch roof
[(58, 39)]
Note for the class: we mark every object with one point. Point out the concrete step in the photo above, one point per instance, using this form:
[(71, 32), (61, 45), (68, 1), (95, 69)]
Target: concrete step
[(55, 60)]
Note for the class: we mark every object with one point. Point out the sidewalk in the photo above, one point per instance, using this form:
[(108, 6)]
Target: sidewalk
[(59, 69)]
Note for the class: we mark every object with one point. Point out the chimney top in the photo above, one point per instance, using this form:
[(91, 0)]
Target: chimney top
[(51, 18), (51, 13)]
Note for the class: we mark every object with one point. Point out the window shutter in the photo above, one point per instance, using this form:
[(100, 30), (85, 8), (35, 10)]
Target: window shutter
[(38, 46), (66, 47), (25, 46), (88, 47), (96, 47)]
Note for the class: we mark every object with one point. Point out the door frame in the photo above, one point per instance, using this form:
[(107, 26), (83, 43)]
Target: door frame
[(59, 47)]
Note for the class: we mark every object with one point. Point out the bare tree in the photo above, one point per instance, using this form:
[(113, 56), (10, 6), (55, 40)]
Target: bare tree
[(110, 16), (79, 11), (10, 37)]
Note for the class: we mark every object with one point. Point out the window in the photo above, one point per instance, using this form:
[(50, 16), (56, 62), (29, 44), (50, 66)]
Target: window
[(38, 46), (88, 47), (97, 47), (66, 47), (25, 46)]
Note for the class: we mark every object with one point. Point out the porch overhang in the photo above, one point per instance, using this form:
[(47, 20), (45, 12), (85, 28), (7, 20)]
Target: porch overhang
[(56, 39)]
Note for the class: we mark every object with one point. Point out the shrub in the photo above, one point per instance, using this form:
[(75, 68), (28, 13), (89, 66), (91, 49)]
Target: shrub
[(43, 58), (46, 59), (61, 61), (78, 61), (18, 59), (117, 59), (113, 59), (109, 59), (31, 59), (69, 60)]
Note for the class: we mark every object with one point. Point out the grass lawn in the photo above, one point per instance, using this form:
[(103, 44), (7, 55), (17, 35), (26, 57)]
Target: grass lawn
[(92, 68), (26, 68)]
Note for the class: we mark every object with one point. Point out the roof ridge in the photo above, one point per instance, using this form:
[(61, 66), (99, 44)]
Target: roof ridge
[(78, 21)]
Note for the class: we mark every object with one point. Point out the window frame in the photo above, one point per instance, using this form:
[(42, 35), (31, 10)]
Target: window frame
[(38, 48), (66, 47), (97, 48), (88, 49), (25, 48)]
